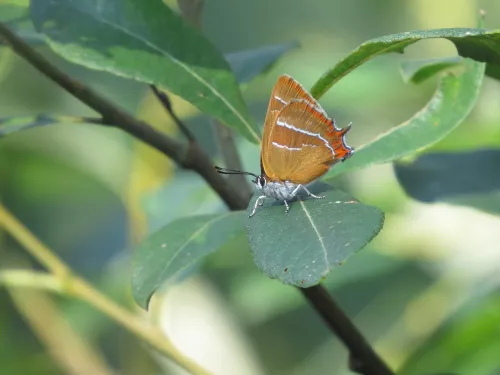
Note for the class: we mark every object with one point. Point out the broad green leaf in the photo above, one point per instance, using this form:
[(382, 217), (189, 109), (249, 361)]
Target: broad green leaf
[(301, 247), (466, 178), (248, 64), (10, 125), (452, 102), (148, 42), (466, 344), (177, 246), (477, 44), (417, 71)]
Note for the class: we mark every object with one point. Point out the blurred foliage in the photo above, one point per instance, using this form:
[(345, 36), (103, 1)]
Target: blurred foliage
[(91, 193)]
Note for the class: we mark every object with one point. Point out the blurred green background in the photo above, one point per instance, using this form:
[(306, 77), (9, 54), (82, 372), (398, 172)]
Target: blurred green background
[(425, 292)]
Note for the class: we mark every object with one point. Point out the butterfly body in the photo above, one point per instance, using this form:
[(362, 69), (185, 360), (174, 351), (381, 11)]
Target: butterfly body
[(300, 143), (279, 190)]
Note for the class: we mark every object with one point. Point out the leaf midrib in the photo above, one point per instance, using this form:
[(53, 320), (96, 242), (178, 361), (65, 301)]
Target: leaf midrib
[(323, 247)]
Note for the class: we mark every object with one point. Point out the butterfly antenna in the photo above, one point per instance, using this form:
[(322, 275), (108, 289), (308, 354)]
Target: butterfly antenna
[(233, 171)]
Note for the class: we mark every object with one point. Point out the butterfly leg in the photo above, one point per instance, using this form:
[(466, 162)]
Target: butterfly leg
[(307, 191), (258, 202), (287, 207)]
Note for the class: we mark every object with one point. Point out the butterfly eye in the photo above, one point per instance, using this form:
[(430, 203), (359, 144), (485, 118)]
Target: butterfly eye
[(261, 181)]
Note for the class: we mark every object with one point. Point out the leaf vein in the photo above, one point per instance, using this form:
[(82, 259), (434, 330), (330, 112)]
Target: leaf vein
[(323, 247)]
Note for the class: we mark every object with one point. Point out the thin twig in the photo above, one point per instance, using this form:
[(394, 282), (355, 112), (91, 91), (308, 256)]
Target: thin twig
[(167, 104), (191, 156), (75, 286), (231, 156), (363, 358), (192, 11), (73, 354)]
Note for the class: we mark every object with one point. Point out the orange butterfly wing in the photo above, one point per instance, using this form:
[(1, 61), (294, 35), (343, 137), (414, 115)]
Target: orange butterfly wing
[(300, 142)]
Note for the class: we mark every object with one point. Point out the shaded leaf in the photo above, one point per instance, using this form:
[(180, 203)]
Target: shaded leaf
[(466, 344), (148, 42), (477, 44), (168, 252), (493, 71), (417, 71), (304, 245), (248, 64), (452, 102), (467, 178), (14, 124)]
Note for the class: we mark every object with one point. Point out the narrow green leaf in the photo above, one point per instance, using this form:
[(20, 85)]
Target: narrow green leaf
[(146, 41), (301, 247), (10, 125), (246, 65), (477, 44), (452, 102), (177, 246), (417, 71)]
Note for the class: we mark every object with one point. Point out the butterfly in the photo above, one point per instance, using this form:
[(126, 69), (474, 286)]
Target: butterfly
[(300, 143)]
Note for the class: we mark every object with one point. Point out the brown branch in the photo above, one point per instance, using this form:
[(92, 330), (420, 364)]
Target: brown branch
[(167, 104), (363, 358), (189, 157)]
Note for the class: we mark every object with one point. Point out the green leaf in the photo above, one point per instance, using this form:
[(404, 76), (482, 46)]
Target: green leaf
[(477, 44), (148, 42), (417, 71), (452, 102), (466, 344), (11, 12), (301, 247), (179, 245), (10, 125), (465, 178), (493, 71), (248, 64)]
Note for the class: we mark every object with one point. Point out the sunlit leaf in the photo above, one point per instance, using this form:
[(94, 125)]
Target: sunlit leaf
[(301, 247), (452, 102), (148, 42), (477, 44), (417, 71)]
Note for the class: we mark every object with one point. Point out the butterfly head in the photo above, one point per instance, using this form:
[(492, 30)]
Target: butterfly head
[(260, 182)]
